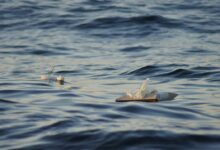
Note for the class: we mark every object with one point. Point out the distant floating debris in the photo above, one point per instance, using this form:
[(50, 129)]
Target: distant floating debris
[(145, 94), (59, 79), (44, 77)]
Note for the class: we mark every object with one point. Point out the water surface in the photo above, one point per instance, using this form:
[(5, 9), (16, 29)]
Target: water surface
[(104, 48)]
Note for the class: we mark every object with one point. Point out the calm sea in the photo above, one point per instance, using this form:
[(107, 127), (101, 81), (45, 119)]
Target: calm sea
[(103, 48)]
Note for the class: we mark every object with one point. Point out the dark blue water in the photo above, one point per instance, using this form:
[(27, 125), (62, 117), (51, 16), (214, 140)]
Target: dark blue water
[(104, 48)]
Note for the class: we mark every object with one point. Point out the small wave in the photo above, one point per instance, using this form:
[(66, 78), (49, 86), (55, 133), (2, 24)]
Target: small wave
[(151, 139), (33, 52), (6, 101), (178, 73), (29, 17), (195, 23), (84, 10), (147, 70), (45, 53), (111, 22), (26, 92), (153, 111), (134, 108), (18, 11), (97, 8), (71, 95), (134, 139), (164, 71), (198, 51), (56, 22), (115, 116), (92, 106), (134, 49), (189, 73), (205, 68), (68, 72)]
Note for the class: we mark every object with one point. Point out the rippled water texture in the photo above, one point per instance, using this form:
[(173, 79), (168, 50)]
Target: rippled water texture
[(104, 48)]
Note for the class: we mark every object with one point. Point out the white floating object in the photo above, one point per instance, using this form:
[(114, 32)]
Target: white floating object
[(163, 96), (145, 94), (60, 79), (44, 77)]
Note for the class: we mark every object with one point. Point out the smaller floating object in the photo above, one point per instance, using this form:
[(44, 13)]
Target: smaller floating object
[(60, 80), (44, 77), (145, 94)]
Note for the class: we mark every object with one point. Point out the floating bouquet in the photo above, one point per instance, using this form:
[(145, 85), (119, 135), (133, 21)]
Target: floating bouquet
[(145, 93)]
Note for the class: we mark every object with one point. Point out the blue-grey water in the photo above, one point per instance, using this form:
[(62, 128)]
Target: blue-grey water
[(103, 48)]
